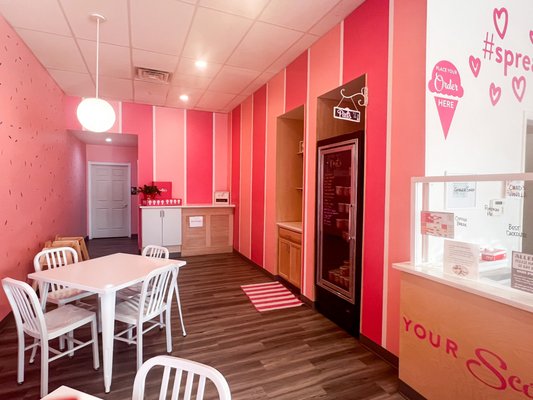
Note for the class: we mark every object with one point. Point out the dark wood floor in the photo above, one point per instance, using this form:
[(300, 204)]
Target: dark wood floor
[(285, 354)]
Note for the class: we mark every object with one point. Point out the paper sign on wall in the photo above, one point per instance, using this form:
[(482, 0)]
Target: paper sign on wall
[(437, 224), (461, 194), (196, 222)]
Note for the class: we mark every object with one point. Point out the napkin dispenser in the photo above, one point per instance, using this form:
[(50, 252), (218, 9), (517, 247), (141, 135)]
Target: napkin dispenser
[(221, 198)]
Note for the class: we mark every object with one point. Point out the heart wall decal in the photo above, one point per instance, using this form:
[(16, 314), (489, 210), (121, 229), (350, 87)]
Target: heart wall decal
[(519, 87), (495, 93), (475, 65), (501, 20)]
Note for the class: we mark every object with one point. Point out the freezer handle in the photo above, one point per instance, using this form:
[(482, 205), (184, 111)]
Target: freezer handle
[(351, 234)]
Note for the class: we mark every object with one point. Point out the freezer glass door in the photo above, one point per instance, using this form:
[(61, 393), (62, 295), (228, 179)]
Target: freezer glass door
[(337, 196)]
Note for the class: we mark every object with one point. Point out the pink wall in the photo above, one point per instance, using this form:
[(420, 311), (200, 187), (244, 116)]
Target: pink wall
[(371, 22), (170, 152), (118, 154), (275, 96), (296, 82), (245, 228), (236, 172), (407, 144), (137, 120), (199, 157), (258, 174), (43, 168), (222, 153)]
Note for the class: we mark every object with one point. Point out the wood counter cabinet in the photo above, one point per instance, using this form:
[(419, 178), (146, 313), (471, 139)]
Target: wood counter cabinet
[(207, 230), (290, 255)]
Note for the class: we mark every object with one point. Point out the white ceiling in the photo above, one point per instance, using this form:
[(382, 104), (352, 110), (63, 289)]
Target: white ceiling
[(245, 43)]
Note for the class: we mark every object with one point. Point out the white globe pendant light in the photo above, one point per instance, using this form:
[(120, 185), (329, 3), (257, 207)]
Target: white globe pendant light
[(95, 114)]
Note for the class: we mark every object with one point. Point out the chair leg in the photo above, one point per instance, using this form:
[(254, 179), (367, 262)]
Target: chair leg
[(139, 345), (20, 366), (33, 351), (61, 342), (44, 368), (94, 334), (168, 330), (183, 332), (70, 343), (130, 333)]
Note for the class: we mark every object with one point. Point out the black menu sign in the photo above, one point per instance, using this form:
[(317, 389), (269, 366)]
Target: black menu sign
[(336, 185)]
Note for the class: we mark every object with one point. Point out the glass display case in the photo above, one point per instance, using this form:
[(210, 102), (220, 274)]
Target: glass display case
[(474, 227)]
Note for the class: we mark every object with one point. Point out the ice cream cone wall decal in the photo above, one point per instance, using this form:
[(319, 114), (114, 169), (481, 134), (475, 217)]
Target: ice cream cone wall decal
[(445, 82)]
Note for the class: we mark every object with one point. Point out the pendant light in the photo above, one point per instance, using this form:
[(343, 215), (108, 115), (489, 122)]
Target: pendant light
[(96, 114)]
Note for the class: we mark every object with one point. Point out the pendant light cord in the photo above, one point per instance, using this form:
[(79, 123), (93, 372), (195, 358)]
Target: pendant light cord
[(97, 51)]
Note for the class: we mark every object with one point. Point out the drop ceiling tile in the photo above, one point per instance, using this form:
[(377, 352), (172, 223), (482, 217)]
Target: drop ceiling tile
[(186, 66), (296, 14), (173, 98), (235, 102), (73, 83), (42, 15), (54, 51), (262, 44), (195, 82), (116, 88), (209, 26), (214, 101), (148, 59), (249, 9), (114, 30), (337, 14), (150, 93), (114, 60), (232, 80), (290, 55), (160, 26)]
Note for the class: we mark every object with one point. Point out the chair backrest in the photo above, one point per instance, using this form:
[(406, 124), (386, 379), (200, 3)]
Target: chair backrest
[(156, 251), (179, 367), (26, 308), (55, 258), (156, 290)]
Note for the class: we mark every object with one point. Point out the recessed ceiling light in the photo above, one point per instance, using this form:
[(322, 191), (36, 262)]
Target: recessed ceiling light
[(108, 140), (200, 64), (184, 97)]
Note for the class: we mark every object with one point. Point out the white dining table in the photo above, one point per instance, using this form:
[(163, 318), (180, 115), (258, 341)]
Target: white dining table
[(104, 276)]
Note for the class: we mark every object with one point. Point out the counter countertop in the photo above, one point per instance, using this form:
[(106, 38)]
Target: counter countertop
[(193, 206), (292, 226), (484, 288)]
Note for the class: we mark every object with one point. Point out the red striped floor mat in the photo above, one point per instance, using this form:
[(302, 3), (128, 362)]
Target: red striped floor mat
[(270, 296)]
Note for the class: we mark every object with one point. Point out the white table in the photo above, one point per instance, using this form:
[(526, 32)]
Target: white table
[(104, 276), (65, 392)]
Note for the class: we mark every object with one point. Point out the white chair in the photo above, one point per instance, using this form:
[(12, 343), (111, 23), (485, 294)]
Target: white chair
[(153, 301), (179, 366), (155, 252), (43, 327), (56, 258)]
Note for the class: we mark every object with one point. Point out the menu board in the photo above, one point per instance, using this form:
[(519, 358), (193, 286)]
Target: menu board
[(336, 189)]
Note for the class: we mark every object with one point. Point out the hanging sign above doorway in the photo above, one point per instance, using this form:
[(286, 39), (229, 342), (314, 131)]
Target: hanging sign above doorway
[(346, 114)]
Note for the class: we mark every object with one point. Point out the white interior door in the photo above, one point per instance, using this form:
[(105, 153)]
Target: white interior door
[(109, 199)]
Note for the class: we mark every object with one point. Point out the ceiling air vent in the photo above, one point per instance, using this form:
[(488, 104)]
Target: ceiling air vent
[(152, 75)]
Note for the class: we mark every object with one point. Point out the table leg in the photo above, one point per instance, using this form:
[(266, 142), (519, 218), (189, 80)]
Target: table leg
[(107, 311), (43, 294)]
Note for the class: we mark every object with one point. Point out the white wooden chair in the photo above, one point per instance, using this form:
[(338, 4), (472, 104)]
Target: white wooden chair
[(154, 300), (156, 252), (56, 258), (43, 327), (178, 367)]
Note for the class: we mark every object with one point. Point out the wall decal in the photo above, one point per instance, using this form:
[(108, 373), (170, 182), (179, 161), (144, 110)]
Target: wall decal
[(501, 20), (445, 80), (475, 65), (495, 92), (519, 87)]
